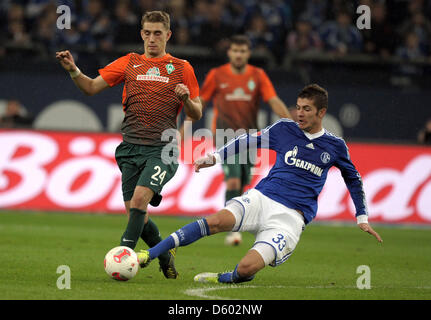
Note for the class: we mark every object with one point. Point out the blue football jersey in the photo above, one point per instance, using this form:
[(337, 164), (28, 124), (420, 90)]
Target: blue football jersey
[(302, 165)]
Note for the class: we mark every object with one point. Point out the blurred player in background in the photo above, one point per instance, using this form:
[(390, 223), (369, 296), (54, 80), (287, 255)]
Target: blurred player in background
[(424, 135), (15, 116), (278, 208), (235, 89), (156, 87)]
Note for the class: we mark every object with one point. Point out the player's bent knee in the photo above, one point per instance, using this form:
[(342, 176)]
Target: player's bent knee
[(251, 264), (214, 224), (221, 221), (246, 270)]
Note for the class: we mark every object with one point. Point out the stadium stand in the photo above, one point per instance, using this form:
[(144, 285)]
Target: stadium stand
[(271, 24)]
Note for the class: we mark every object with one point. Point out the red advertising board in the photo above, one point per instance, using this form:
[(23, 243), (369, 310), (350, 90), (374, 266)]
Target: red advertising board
[(65, 171)]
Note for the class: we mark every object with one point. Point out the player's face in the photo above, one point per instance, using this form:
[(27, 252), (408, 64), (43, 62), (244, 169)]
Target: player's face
[(155, 37), (238, 55), (309, 118)]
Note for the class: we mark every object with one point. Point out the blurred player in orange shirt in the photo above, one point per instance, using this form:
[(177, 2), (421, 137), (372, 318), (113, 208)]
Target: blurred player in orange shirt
[(156, 87), (235, 89)]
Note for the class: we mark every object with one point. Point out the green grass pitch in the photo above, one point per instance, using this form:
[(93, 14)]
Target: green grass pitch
[(323, 266)]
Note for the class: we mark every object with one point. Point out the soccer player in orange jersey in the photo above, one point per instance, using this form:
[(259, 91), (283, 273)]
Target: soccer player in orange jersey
[(236, 89), (156, 87)]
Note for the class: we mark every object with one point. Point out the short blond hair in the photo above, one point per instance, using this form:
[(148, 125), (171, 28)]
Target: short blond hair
[(157, 16)]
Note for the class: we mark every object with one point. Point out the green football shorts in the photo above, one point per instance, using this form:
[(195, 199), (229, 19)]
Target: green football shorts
[(142, 165)]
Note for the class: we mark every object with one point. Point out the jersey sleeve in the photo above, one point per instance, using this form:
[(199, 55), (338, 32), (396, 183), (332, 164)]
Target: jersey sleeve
[(190, 80), (209, 86), (113, 73), (268, 138), (353, 180), (267, 90)]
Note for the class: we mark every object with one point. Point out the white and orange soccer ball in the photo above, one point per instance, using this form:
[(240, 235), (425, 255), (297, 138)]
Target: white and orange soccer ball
[(233, 239), (121, 263)]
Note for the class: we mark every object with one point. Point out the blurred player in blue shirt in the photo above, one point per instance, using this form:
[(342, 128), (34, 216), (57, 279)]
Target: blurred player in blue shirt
[(278, 208)]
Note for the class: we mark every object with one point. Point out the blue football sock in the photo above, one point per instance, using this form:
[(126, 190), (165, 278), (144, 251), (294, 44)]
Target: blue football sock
[(225, 277), (182, 237), (161, 247), (233, 277)]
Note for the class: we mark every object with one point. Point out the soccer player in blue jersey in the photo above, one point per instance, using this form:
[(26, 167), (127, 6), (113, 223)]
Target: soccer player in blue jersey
[(278, 208)]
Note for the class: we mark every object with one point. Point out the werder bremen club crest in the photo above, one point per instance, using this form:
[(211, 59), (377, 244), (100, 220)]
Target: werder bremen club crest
[(170, 68)]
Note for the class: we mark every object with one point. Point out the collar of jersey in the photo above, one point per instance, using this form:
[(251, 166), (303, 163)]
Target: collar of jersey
[(245, 73), (312, 136), (166, 56)]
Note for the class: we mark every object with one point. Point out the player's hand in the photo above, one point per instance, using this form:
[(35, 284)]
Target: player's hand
[(66, 60), (367, 228), (182, 92), (204, 162)]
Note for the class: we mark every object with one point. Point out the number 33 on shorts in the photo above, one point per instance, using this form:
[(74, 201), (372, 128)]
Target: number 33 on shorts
[(280, 242), (283, 246)]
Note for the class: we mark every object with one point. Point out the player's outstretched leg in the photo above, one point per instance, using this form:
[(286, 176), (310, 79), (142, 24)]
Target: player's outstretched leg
[(221, 221), (182, 237)]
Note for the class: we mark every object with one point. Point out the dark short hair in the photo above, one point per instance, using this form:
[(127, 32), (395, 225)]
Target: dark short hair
[(317, 94), (240, 39), (157, 16)]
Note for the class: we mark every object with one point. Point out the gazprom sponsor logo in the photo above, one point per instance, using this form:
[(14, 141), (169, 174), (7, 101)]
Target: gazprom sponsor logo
[(291, 160)]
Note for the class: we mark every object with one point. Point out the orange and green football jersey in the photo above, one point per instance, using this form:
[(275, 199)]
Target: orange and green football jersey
[(149, 101), (236, 97)]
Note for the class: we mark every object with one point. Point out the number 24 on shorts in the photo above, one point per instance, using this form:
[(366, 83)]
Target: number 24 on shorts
[(158, 175), (280, 241)]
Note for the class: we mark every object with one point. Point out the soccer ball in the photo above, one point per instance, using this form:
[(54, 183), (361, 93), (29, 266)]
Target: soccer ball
[(233, 239), (121, 263)]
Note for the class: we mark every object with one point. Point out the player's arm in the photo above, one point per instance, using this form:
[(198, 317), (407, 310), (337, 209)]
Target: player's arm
[(353, 181), (192, 107), (187, 124), (86, 84), (208, 88), (279, 108), (188, 92), (204, 104), (270, 96), (206, 91), (265, 139)]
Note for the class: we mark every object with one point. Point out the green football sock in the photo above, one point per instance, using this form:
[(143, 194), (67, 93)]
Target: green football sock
[(134, 228), (151, 236), (232, 194)]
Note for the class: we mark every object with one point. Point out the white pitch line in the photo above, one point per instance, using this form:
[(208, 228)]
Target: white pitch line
[(203, 292)]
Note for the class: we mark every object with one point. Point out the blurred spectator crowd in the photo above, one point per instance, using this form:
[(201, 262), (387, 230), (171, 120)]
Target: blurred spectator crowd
[(398, 28)]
